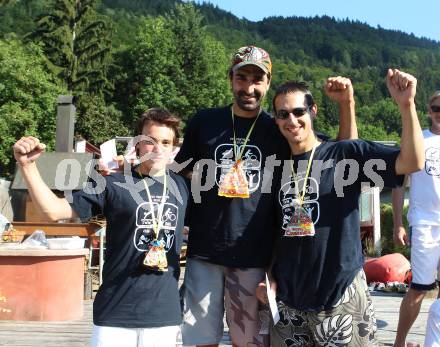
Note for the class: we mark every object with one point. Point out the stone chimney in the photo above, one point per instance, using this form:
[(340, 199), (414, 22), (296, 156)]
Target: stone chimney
[(65, 124)]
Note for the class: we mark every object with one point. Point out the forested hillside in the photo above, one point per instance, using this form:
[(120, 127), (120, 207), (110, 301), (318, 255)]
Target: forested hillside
[(120, 57)]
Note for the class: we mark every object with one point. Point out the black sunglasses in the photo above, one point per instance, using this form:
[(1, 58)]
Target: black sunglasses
[(435, 108), (297, 112)]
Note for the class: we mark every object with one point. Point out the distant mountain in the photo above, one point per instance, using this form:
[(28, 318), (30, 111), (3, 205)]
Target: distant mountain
[(308, 49), (319, 40), (343, 47)]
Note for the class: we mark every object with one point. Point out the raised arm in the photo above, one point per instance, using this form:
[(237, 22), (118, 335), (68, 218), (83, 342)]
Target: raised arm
[(402, 87), (340, 90), (398, 196), (26, 151)]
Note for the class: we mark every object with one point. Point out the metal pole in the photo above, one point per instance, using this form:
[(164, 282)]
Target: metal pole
[(376, 220), (101, 252)]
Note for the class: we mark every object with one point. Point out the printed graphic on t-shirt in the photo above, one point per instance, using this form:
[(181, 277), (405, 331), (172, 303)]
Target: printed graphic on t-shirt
[(224, 159), (144, 234), (432, 161), (289, 193)]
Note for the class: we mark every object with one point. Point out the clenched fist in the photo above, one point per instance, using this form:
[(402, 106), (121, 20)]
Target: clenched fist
[(402, 87), (339, 89), (27, 150)]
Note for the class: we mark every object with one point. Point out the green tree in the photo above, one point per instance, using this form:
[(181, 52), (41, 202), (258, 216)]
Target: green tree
[(156, 70), (173, 63), (375, 133), (203, 61), (28, 94), (170, 73), (16, 17), (99, 121), (77, 45), (383, 114)]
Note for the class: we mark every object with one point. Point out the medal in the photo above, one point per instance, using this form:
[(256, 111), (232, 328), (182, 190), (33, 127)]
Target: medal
[(235, 184), (156, 257), (301, 223)]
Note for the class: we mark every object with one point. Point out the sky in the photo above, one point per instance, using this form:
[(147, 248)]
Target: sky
[(420, 17)]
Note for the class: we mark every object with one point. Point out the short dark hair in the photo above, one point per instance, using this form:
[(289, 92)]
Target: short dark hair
[(293, 87), (162, 117)]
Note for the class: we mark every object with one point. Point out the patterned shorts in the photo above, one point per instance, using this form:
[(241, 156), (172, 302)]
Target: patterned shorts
[(350, 323)]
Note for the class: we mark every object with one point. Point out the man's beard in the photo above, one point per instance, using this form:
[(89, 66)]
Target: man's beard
[(246, 105)]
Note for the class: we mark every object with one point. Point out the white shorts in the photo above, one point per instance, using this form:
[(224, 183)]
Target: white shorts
[(134, 337), (425, 256), (432, 337), (208, 290)]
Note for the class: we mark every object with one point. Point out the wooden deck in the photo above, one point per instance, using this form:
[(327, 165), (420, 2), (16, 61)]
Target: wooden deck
[(77, 333), (387, 315)]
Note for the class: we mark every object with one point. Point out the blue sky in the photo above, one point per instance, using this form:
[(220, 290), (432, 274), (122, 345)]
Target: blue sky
[(421, 17)]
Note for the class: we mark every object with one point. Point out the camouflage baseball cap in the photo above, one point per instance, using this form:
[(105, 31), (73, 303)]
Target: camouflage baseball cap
[(251, 55)]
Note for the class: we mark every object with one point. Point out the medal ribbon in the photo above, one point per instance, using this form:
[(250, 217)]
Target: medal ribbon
[(237, 158), (295, 176), (156, 224)]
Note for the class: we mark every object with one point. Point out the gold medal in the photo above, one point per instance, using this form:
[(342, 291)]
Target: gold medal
[(301, 223), (235, 184), (156, 257)]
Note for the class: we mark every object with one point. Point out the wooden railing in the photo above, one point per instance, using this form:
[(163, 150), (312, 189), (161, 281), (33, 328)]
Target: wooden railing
[(58, 229)]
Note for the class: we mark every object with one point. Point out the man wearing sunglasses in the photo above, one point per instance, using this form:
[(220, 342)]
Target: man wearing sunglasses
[(317, 275), (230, 237), (424, 221)]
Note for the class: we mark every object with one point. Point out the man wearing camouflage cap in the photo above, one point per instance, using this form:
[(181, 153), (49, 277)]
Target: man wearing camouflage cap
[(229, 244), (231, 239)]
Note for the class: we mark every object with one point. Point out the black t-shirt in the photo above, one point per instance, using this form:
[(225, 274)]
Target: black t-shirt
[(232, 232), (130, 295), (312, 272)]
